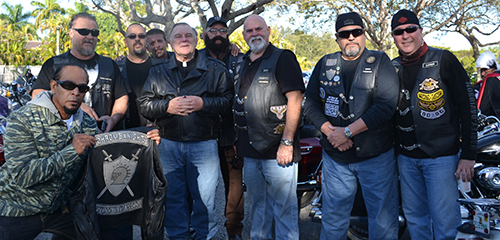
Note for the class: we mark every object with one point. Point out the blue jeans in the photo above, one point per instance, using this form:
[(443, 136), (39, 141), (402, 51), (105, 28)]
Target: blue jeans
[(429, 191), (21, 228), (378, 180), (272, 191), (192, 170)]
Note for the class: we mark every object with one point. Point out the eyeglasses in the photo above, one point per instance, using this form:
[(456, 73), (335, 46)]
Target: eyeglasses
[(85, 31), (411, 29), (215, 30), (355, 33), (82, 88), (132, 36)]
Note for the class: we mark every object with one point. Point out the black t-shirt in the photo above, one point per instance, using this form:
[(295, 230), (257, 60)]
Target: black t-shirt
[(289, 77), (137, 73), (120, 86)]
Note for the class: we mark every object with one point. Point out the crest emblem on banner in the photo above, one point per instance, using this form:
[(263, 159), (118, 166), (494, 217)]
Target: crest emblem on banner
[(117, 173), (278, 110)]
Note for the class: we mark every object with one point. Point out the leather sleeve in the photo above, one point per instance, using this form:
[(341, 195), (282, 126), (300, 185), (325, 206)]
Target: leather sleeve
[(151, 104)]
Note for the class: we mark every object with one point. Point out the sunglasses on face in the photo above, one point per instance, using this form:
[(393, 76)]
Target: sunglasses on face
[(411, 29), (85, 31), (82, 88), (355, 33), (215, 30), (132, 36)]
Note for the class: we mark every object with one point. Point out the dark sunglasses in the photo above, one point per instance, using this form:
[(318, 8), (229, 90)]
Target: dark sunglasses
[(355, 33), (215, 30), (85, 31), (411, 29), (132, 36), (82, 88)]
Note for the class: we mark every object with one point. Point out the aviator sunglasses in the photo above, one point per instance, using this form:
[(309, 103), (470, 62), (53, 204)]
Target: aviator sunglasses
[(215, 30), (82, 88), (85, 31), (132, 36), (411, 29), (355, 33)]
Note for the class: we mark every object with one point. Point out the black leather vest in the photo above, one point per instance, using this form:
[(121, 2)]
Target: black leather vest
[(361, 95), (124, 184), (435, 128), (264, 104), (102, 90)]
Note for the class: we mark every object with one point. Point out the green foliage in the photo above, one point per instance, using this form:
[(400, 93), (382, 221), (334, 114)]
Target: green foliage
[(12, 42)]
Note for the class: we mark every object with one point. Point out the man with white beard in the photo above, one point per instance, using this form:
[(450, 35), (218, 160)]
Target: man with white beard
[(268, 101)]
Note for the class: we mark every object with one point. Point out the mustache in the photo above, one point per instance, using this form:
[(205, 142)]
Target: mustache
[(256, 38)]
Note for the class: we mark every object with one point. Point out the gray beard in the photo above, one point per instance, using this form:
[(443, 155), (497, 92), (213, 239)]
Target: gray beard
[(257, 48)]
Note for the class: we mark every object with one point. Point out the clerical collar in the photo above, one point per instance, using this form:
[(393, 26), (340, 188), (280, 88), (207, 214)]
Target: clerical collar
[(188, 63)]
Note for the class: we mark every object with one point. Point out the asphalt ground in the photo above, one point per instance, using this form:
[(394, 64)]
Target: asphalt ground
[(308, 230)]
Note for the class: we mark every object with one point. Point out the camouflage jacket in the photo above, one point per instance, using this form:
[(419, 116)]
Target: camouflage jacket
[(41, 161)]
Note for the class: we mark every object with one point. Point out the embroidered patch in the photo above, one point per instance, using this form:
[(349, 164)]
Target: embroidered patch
[(430, 64), (330, 73), (279, 129), (428, 84), (118, 173), (115, 209), (367, 70), (371, 59), (331, 62), (432, 115), (332, 106), (278, 110), (321, 93), (336, 78), (430, 96)]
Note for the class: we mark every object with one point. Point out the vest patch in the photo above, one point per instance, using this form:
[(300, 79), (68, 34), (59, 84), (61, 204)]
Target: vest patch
[(278, 110), (430, 64), (279, 129), (428, 84), (322, 93), (430, 96), (109, 209), (332, 106), (432, 115), (431, 106), (330, 73), (371, 59), (367, 70), (331, 62), (117, 173)]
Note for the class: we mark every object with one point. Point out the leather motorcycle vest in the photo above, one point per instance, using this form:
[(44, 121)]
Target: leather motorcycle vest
[(265, 105), (435, 128), (101, 90), (361, 95), (124, 179)]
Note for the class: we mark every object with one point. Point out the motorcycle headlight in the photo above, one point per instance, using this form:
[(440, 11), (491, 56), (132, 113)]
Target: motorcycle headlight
[(489, 178)]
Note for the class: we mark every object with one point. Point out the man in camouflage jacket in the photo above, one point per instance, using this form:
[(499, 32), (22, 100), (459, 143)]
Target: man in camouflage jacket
[(46, 143)]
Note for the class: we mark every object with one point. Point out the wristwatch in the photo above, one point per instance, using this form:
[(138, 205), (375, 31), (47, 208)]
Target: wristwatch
[(287, 142), (347, 132)]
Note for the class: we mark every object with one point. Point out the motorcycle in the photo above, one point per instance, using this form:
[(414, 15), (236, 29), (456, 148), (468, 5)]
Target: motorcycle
[(12, 97), (480, 208)]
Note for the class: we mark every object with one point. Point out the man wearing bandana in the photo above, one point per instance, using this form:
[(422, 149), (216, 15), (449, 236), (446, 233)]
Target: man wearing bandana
[(218, 47), (436, 131), (108, 95), (351, 98)]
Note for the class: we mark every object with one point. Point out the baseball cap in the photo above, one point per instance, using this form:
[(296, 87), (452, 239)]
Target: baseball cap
[(214, 20)]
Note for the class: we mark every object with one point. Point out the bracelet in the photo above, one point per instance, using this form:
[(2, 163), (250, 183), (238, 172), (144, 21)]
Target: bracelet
[(287, 142)]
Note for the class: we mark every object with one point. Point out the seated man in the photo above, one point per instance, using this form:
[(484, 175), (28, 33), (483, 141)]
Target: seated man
[(45, 146)]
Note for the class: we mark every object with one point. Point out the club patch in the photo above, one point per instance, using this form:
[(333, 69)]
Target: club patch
[(432, 115), (279, 111), (279, 129), (331, 62), (330, 73), (332, 106), (430, 96), (118, 173), (428, 84), (322, 93), (430, 64), (371, 59), (431, 106)]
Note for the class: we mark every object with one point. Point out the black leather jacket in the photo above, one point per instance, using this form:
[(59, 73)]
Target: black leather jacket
[(209, 80)]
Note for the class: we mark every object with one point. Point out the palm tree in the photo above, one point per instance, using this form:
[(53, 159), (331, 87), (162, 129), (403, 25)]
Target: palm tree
[(15, 16), (46, 11)]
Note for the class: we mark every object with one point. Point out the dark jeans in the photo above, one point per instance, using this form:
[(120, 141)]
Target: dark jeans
[(21, 228), (232, 175)]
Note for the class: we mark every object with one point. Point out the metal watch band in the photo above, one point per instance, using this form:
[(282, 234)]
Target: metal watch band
[(286, 142)]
